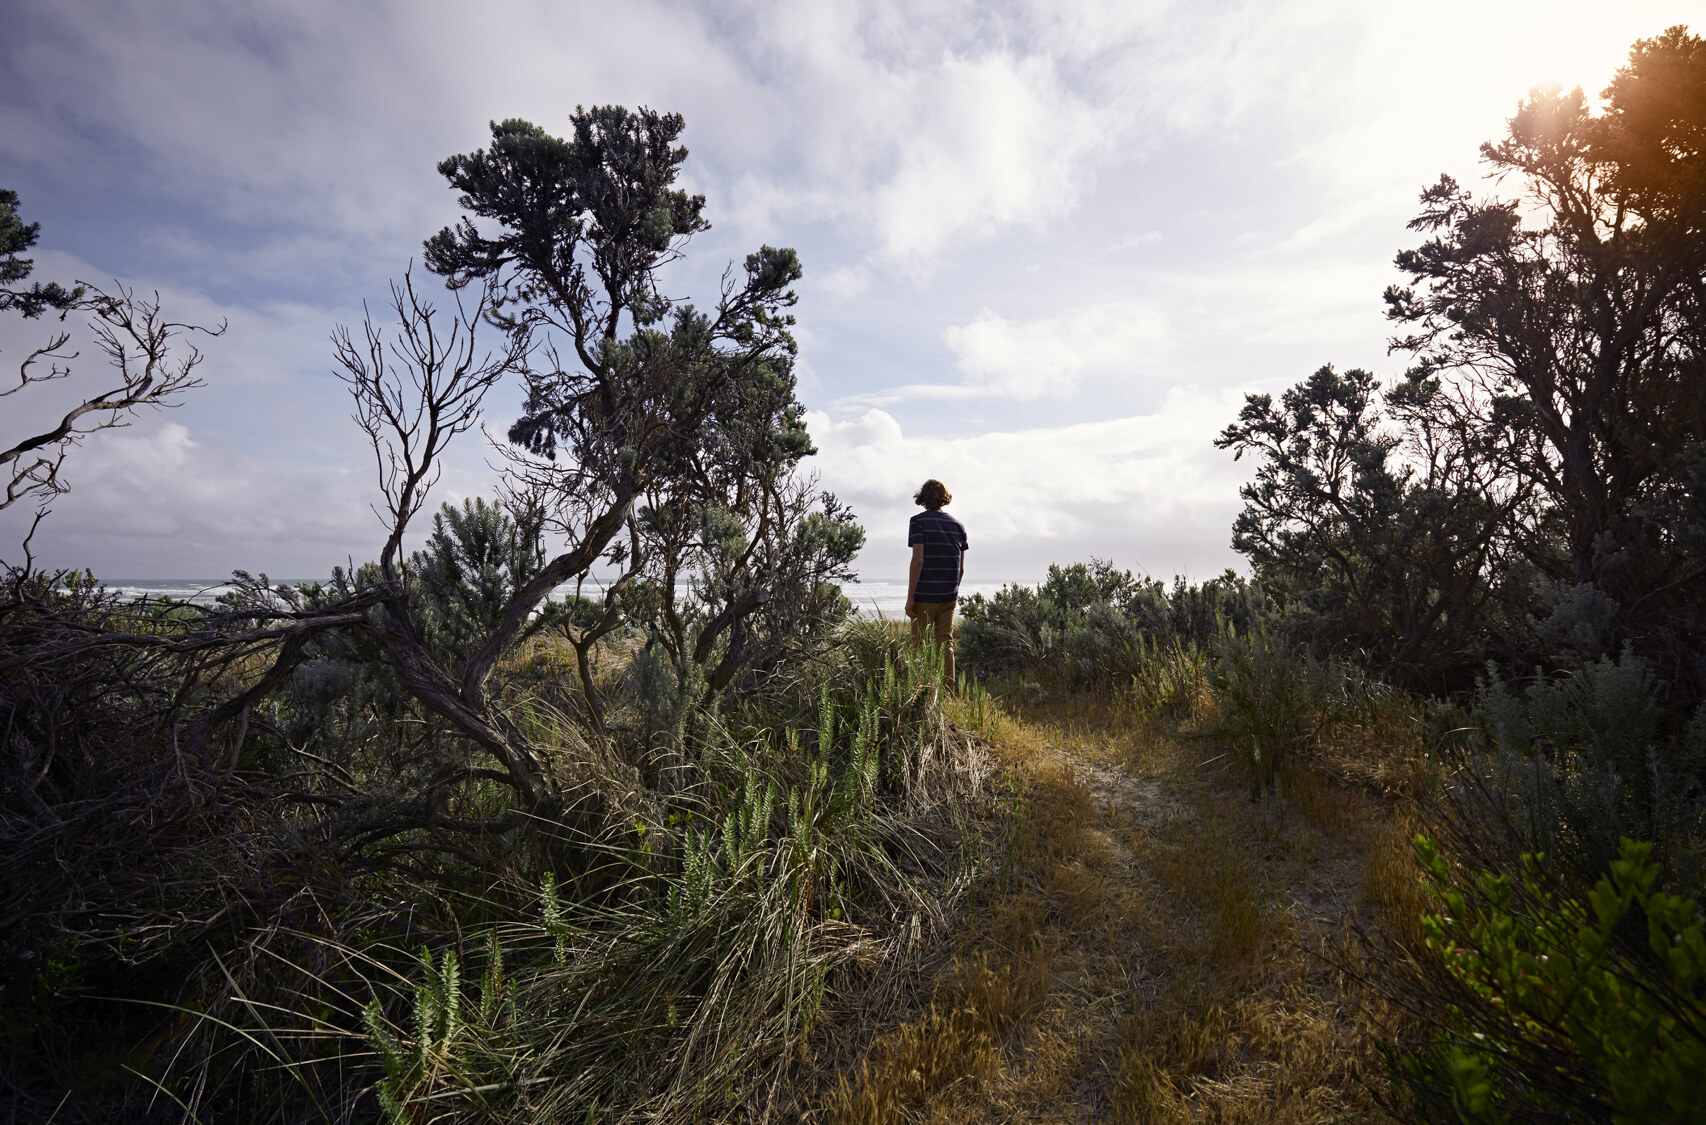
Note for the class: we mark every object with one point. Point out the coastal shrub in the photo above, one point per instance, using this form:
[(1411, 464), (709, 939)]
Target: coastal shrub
[(1272, 696), (723, 876), (478, 555), (1577, 761), (1090, 626), (1278, 703), (678, 974)]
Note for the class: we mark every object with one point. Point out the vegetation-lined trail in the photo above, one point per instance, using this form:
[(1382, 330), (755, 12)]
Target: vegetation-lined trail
[(603, 806), (1158, 946)]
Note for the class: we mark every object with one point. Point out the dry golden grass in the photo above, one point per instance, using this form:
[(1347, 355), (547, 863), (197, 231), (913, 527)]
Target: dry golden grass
[(1157, 946), (1391, 881), (912, 1070)]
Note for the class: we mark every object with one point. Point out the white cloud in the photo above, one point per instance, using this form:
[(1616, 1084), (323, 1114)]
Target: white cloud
[(155, 499), (929, 159), (1145, 238), (986, 143), (846, 283), (1029, 359)]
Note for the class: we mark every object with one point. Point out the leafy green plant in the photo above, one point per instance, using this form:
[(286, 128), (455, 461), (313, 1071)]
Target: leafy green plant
[(1561, 1007), (477, 557), (440, 1029), (679, 963)]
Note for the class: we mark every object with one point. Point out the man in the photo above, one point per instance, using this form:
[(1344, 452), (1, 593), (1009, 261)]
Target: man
[(938, 543)]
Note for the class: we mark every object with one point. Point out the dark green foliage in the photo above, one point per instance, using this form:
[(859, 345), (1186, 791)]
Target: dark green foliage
[(1529, 491), (756, 593), (16, 236), (713, 880), (1385, 540), (1653, 132), (584, 225), (1584, 332), (1561, 973), (605, 192), (1091, 625), (675, 425), (1274, 697), (475, 560), (1577, 762)]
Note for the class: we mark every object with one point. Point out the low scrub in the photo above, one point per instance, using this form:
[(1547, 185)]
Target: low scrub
[(1279, 706), (1574, 763), (1091, 626), (331, 913)]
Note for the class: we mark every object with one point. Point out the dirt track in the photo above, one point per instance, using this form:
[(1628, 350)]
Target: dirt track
[(1165, 947)]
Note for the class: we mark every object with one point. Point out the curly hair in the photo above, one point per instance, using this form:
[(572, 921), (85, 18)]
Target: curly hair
[(933, 495)]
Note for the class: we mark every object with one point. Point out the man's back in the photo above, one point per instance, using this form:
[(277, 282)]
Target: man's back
[(944, 539)]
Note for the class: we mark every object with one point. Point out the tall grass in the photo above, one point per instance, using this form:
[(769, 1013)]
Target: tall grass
[(675, 940)]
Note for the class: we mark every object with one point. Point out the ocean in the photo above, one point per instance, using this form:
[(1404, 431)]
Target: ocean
[(886, 596)]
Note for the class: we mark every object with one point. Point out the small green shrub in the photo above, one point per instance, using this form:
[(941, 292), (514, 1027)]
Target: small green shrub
[(1559, 1007), (1169, 679), (477, 556), (1273, 696), (1277, 701)]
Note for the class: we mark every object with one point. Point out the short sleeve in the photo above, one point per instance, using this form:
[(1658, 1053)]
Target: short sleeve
[(914, 533)]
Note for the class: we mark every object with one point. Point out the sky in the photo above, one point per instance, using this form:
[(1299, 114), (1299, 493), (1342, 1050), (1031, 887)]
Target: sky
[(1048, 246)]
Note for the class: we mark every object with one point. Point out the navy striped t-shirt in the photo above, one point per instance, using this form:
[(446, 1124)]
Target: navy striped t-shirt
[(944, 537)]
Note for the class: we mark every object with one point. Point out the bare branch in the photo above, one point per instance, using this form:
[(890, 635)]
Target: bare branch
[(138, 342), (53, 352), (415, 391)]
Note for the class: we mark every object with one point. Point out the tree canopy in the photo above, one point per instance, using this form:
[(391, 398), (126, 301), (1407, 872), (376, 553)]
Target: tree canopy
[(1547, 433)]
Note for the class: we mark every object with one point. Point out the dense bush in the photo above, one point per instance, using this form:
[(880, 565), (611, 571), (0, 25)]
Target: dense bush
[(1575, 763), (239, 817), (1273, 698), (476, 558), (686, 953), (662, 944), (1529, 489)]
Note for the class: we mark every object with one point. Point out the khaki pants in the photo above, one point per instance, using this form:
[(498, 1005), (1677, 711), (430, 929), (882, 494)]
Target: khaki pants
[(940, 617)]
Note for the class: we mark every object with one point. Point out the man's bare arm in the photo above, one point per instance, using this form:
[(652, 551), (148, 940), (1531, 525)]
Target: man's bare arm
[(912, 578)]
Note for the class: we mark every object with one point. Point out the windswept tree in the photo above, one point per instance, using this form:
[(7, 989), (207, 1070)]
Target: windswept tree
[(659, 441), (1386, 538), (1531, 486)]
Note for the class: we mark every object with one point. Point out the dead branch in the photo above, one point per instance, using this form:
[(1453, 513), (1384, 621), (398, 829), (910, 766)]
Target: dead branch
[(414, 393), (138, 341)]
